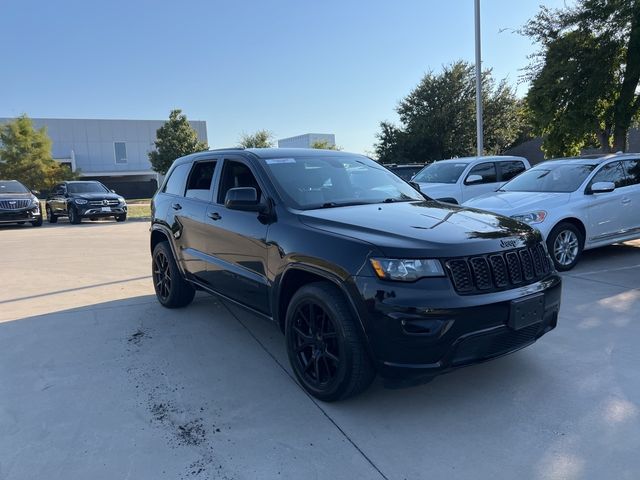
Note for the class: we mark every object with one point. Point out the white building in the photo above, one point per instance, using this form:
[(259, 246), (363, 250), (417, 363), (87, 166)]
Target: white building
[(306, 140), (114, 152)]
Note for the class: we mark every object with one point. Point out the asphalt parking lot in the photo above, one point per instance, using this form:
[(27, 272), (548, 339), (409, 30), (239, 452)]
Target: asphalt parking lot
[(98, 381)]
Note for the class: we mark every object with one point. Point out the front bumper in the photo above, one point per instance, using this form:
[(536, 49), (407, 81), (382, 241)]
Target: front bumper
[(98, 212), (425, 328), (30, 214)]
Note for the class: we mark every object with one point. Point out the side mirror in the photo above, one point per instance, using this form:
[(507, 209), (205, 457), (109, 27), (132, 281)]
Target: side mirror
[(35, 192), (112, 191), (473, 179), (415, 185), (242, 198), (603, 187)]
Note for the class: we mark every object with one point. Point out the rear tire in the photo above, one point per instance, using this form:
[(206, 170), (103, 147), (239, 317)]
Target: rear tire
[(50, 216), (172, 290), (565, 243), (324, 344), (74, 216)]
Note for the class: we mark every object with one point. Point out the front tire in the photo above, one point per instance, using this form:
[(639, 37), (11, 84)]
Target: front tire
[(121, 218), (172, 290), (565, 244), (50, 215), (38, 222), (74, 216), (324, 345)]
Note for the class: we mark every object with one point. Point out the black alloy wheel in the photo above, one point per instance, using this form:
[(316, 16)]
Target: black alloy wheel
[(316, 345), (324, 343), (172, 290)]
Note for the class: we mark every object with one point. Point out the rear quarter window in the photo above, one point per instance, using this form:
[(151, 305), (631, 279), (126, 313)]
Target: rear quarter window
[(177, 180), (509, 170)]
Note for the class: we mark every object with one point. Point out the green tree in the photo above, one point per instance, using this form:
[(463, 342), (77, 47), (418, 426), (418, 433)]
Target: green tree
[(437, 118), (25, 155), (175, 139), (259, 139), (324, 145), (585, 78)]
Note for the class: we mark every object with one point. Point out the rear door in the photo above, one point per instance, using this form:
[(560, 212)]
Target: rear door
[(489, 182), (608, 212), (236, 241)]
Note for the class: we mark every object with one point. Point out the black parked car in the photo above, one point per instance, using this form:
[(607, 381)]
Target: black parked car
[(18, 204), (84, 199), (405, 171), (361, 272)]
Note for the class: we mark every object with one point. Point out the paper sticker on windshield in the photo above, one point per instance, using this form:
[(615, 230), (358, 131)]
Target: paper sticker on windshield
[(276, 161)]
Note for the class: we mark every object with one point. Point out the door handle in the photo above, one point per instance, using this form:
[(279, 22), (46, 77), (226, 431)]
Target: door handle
[(626, 201), (176, 206), (214, 216)]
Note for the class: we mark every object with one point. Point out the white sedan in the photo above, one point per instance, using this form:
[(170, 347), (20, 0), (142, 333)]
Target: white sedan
[(576, 203), (460, 179)]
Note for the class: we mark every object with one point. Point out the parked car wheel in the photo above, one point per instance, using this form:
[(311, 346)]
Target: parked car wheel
[(172, 290), (324, 346), (50, 216), (74, 217), (121, 218), (38, 222), (565, 244)]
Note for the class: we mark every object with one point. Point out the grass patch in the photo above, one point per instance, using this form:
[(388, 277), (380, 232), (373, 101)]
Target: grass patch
[(138, 211)]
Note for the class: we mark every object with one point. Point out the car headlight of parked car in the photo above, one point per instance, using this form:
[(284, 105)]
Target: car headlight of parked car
[(121, 200), (35, 202), (80, 201), (407, 270), (531, 217)]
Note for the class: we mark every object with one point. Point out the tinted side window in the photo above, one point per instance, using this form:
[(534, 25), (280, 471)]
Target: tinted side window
[(486, 170), (199, 184), (508, 170), (632, 169), (611, 173), (236, 174), (176, 182)]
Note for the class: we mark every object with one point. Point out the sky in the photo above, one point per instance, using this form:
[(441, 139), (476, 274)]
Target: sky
[(288, 66)]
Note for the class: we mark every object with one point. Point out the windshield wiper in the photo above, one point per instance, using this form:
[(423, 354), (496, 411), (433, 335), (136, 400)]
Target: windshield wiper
[(341, 204)]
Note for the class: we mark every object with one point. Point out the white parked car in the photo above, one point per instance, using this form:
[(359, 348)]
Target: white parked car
[(460, 179), (577, 203)]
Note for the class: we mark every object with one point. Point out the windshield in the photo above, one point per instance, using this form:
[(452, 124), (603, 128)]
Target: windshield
[(448, 172), (12, 187), (332, 181), (87, 187), (550, 177)]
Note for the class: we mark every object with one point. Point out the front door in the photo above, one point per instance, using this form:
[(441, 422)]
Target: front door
[(236, 242), (607, 212), (488, 183)]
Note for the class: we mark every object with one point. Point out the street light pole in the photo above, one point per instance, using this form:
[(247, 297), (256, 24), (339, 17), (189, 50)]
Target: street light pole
[(479, 133)]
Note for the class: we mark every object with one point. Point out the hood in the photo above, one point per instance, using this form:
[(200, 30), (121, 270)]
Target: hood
[(25, 195), (421, 229), (439, 190), (95, 196), (512, 203)]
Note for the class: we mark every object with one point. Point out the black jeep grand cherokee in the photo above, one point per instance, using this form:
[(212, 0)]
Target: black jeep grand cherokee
[(362, 273)]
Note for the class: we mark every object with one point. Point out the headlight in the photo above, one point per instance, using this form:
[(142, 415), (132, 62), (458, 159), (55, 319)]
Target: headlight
[(121, 200), (531, 217), (35, 202), (80, 201), (406, 270)]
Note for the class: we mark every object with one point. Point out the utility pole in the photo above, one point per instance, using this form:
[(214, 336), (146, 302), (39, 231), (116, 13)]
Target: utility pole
[(479, 133)]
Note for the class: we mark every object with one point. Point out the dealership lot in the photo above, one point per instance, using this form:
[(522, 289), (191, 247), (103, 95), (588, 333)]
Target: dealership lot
[(99, 381)]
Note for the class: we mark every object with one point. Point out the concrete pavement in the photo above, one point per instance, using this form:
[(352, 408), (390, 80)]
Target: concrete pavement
[(99, 381)]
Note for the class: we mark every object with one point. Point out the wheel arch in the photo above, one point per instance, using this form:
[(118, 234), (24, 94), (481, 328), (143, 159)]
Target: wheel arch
[(295, 277), (579, 224)]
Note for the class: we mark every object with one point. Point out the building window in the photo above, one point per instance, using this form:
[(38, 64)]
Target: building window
[(121, 152)]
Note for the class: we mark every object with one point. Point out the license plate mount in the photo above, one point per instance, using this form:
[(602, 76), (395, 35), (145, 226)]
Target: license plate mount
[(106, 209), (526, 311)]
